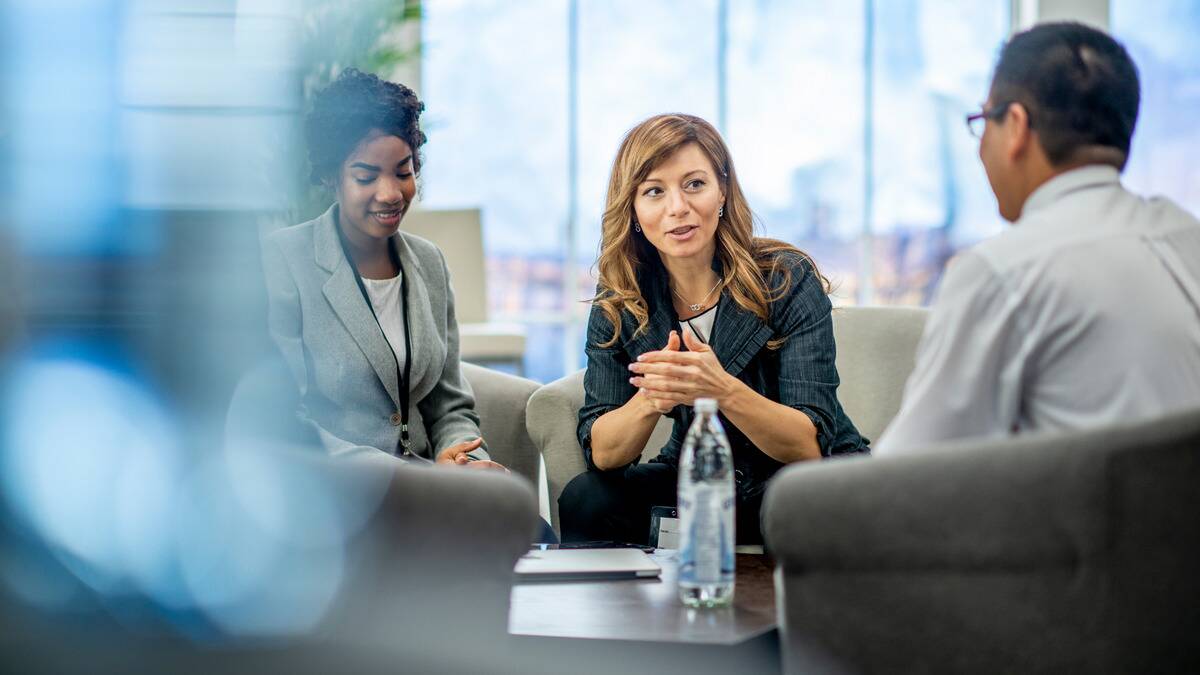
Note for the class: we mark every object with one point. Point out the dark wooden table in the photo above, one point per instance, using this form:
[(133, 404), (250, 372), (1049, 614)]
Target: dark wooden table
[(641, 626)]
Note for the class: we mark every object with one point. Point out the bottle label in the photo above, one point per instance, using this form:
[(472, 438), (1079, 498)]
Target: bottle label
[(706, 555)]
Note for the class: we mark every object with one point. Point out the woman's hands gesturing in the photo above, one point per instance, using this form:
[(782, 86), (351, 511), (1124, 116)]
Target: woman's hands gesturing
[(669, 377)]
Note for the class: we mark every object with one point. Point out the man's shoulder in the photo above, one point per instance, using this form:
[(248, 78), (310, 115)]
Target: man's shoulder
[(1017, 244), (1169, 215)]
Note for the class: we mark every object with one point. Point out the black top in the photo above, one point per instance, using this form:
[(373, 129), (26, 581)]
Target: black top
[(800, 374)]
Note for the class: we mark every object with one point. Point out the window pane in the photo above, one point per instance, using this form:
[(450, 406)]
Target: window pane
[(501, 135), (933, 62), (495, 83), (1161, 37), (795, 105), (636, 59)]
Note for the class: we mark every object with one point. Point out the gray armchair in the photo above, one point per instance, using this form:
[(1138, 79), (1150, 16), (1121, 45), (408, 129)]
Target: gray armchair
[(876, 347), (1055, 553), (500, 400)]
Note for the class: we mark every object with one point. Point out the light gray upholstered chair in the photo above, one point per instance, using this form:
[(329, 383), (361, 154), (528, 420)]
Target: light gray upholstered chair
[(876, 347), (1043, 554), (552, 416), (500, 400), (459, 235)]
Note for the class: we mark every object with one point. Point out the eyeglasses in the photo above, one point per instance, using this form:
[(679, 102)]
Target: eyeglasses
[(977, 121)]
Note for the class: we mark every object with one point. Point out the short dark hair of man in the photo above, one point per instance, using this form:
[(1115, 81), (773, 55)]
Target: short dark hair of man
[(344, 112), (1080, 87)]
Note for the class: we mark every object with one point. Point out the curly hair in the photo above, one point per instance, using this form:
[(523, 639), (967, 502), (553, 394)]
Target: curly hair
[(757, 270), (344, 112)]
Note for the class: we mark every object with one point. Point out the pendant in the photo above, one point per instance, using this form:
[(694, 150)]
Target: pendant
[(695, 308)]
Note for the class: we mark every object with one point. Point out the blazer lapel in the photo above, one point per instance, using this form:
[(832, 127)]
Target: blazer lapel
[(737, 335), (420, 317), (344, 296)]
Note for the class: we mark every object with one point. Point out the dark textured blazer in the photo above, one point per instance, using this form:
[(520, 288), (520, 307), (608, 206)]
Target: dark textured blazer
[(800, 374), (340, 358)]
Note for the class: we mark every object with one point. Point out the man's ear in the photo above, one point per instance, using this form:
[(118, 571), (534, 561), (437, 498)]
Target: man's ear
[(1018, 134)]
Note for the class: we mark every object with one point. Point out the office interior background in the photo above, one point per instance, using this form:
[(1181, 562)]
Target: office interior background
[(145, 145), (845, 121)]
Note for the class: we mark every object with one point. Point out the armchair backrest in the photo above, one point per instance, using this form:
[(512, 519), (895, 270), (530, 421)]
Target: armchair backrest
[(1051, 552), (459, 235), (876, 350)]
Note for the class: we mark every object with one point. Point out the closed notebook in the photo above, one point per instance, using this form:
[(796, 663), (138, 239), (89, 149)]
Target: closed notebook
[(586, 564)]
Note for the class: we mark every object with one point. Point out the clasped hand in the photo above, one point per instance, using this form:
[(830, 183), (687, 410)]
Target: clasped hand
[(669, 377)]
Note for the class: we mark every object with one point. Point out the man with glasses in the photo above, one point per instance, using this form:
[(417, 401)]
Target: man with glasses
[(1087, 311)]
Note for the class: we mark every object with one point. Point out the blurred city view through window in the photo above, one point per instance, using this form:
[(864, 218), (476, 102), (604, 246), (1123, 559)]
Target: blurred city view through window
[(844, 120), (1161, 36)]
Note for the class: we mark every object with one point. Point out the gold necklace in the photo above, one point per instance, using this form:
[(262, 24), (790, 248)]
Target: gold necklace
[(699, 305)]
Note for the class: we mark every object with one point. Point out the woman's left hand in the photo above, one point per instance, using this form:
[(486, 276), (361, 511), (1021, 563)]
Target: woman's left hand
[(456, 455), (682, 377)]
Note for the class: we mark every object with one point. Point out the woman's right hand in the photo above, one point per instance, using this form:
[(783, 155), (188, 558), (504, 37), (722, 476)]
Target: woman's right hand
[(660, 404), (456, 455), (619, 435)]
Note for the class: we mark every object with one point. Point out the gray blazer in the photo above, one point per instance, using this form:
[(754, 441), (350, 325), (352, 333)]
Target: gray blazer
[(339, 357)]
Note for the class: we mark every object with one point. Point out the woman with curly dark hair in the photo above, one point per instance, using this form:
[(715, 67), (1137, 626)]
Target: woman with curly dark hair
[(363, 312)]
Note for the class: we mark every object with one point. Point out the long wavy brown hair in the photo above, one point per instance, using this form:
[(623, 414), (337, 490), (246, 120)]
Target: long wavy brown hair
[(749, 262)]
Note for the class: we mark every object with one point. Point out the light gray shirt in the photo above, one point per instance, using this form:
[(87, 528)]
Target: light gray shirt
[(1085, 313)]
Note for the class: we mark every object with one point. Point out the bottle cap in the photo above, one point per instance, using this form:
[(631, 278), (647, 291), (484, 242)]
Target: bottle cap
[(706, 405)]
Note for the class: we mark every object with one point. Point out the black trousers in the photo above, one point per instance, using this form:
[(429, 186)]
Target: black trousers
[(615, 505)]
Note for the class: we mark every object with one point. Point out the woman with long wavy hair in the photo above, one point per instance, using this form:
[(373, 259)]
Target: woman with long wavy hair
[(690, 304)]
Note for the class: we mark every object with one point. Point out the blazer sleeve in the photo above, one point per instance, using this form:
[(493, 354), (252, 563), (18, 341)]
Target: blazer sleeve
[(605, 382), (808, 377), (285, 323), (449, 408)]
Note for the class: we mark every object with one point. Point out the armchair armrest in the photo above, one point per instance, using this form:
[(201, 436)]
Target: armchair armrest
[(500, 401), (553, 414)]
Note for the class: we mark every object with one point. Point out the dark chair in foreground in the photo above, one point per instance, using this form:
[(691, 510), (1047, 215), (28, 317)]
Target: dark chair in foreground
[(420, 578), (1063, 553)]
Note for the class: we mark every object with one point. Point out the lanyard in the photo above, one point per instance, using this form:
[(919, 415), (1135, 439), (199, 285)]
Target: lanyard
[(402, 379)]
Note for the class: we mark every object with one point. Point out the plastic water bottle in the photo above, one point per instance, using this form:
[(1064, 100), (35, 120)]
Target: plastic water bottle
[(706, 553)]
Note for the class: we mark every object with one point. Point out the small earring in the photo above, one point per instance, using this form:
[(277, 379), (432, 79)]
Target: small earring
[(721, 211), (636, 226)]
